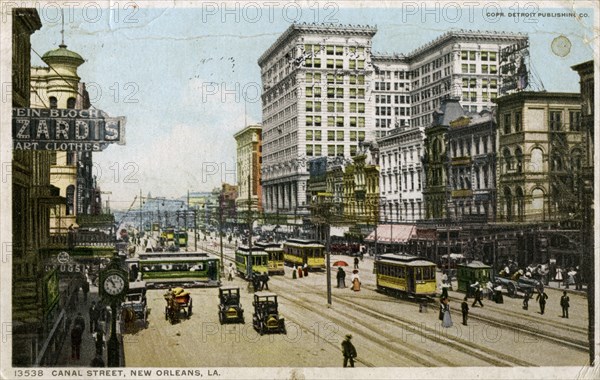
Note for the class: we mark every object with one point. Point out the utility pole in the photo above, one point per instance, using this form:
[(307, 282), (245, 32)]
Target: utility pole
[(141, 216), (221, 230), (249, 266)]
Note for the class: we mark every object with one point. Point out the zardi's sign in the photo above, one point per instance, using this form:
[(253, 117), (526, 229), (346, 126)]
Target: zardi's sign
[(65, 129)]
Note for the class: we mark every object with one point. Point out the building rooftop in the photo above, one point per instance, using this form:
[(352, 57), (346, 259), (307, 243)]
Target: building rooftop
[(314, 28), (62, 54)]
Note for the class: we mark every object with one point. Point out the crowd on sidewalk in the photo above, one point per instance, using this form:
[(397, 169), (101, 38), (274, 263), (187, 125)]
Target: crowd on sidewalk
[(87, 335)]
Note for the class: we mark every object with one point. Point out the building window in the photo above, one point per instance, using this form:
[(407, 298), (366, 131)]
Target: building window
[(71, 103), (53, 102), (518, 121), (507, 124), (575, 121), (508, 160), (555, 120), (331, 150), (519, 159)]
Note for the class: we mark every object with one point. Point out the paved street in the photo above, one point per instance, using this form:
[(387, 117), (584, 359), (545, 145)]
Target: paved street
[(387, 331)]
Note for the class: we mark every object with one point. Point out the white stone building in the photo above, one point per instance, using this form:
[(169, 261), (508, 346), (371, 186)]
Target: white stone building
[(315, 103)]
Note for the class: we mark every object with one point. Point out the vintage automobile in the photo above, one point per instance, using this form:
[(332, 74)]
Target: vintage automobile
[(266, 318), (135, 306), (522, 284), (178, 300), (230, 308)]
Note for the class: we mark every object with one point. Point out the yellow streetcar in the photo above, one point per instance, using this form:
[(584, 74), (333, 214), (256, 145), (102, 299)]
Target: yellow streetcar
[(301, 251), (259, 260), (405, 276), (275, 253)]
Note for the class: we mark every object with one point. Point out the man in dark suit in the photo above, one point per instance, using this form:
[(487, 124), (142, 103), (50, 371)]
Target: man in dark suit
[(564, 303), (541, 298), (349, 351), (464, 306)]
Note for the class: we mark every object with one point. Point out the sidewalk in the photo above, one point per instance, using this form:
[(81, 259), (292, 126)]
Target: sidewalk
[(88, 344), (571, 289)]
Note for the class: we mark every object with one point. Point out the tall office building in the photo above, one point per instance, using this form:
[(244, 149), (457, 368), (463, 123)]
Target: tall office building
[(315, 103), (324, 92)]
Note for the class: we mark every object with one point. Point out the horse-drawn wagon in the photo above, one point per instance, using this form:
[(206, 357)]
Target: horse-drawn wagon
[(135, 306), (178, 300)]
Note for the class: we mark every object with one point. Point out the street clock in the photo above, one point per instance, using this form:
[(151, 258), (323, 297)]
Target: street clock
[(114, 282)]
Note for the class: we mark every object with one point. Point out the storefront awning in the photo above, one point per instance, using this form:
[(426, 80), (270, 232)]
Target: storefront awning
[(393, 233), (338, 231)]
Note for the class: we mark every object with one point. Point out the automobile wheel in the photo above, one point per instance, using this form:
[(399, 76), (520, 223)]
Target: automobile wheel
[(220, 318)]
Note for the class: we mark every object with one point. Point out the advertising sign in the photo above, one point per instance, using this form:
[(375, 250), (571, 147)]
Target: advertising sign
[(65, 129)]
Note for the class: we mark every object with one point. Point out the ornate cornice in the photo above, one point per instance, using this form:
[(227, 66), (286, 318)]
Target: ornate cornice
[(321, 29)]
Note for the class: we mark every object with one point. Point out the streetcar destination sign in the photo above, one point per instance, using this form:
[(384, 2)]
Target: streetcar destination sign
[(65, 129)]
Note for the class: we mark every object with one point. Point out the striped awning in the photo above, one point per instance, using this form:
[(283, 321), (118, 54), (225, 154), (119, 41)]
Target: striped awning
[(393, 233)]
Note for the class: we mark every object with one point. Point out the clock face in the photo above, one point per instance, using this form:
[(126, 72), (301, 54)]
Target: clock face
[(114, 284)]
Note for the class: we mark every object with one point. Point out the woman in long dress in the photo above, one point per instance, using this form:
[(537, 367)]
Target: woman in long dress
[(355, 282), (447, 319)]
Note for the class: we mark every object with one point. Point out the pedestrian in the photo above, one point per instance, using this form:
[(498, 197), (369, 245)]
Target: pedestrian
[(265, 281), (305, 270), (355, 281), (444, 287), (76, 337), (542, 297), (256, 281), (85, 287), (559, 276), (97, 361), (80, 321), (230, 272), (464, 306), (444, 278), (94, 314), (294, 271), (446, 319), (564, 304), (341, 278), (526, 298), (498, 298), (300, 272), (477, 291), (349, 351), (134, 272), (356, 263), (578, 279), (490, 290), (99, 339)]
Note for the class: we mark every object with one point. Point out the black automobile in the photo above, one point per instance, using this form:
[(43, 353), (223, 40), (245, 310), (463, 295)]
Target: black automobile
[(230, 307), (266, 318)]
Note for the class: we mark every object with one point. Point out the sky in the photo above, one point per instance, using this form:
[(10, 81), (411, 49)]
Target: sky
[(187, 79)]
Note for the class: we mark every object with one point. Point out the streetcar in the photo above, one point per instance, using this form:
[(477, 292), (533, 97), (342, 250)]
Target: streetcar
[(275, 253), (181, 238), (405, 276), (166, 270), (301, 251), (259, 264), (169, 234), (275, 262)]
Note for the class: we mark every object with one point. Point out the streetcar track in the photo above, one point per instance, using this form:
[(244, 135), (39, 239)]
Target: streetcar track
[(308, 328), (495, 358), (574, 329), (529, 330), (411, 355)]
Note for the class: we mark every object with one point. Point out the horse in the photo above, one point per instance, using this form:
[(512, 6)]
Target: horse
[(128, 316)]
